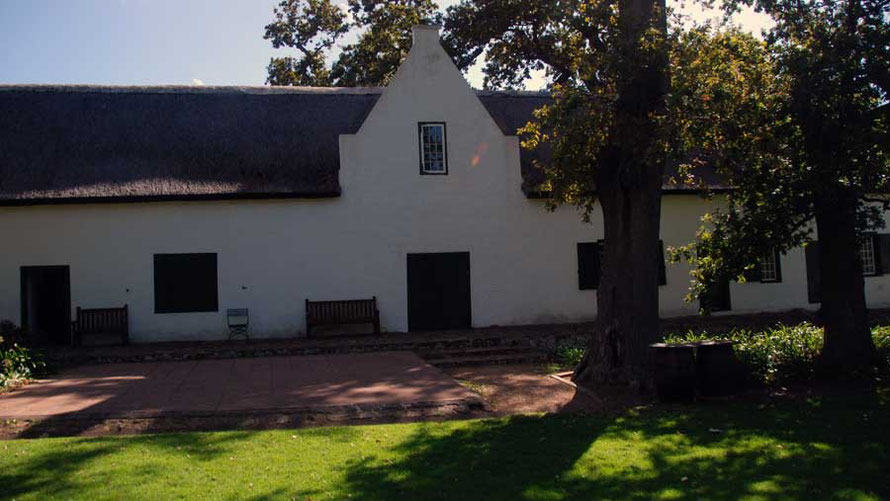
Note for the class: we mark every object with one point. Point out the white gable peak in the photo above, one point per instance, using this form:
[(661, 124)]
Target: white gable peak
[(428, 86)]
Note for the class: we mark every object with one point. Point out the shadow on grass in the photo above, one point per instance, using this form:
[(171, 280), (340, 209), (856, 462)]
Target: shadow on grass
[(818, 448), (717, 451), (49, 474), (58, 472)]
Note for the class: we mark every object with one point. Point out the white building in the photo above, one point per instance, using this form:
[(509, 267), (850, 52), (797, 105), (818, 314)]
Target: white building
[(183, 202)]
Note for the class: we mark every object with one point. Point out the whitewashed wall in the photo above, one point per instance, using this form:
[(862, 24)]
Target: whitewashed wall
[(274, 254)]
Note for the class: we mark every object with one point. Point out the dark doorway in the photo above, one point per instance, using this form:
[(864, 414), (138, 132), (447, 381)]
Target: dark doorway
[(46, 303), (439, 291), (716, 297)]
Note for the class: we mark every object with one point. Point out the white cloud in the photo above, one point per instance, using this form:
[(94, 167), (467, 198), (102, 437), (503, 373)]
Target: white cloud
[(197, 81)]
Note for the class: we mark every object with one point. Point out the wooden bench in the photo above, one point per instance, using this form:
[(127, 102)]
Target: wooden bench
[(353, 311), (100, 321)]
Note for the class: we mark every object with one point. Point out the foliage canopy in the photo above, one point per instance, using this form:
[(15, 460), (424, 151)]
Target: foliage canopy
[(381, 31)]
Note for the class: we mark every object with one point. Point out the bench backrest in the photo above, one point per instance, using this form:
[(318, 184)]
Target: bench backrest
[(341, 311), (101, 320), (237, 317)]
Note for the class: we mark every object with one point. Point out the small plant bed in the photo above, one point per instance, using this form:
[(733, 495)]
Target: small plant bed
[(18, 364), (566, 354), (780, 355), (818, 448)]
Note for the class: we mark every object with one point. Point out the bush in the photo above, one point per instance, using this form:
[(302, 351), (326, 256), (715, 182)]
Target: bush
[(776, 355), (18, 364), (784, 353), (567, 353), (881, 335)]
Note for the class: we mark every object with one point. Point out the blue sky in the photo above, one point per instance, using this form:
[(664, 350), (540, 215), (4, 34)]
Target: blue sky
[(147, 42), (134, 41)]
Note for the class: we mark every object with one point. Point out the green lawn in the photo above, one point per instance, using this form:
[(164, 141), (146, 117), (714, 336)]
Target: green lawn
[(818, 449)]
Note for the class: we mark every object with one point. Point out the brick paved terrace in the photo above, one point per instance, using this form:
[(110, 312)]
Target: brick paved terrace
[(237, 386)]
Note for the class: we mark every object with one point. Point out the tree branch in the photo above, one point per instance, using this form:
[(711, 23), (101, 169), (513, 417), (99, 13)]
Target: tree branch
[(872, 199)]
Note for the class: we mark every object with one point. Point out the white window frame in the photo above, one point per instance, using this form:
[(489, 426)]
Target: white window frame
[(867, 256), (423, 161), (769, 267)]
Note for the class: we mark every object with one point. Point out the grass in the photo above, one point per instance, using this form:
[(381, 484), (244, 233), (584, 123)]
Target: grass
[(821, 448)]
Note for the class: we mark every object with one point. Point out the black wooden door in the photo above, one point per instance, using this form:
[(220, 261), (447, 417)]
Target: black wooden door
[(717, 297), (46, 302), (814, 275), (439, 291)]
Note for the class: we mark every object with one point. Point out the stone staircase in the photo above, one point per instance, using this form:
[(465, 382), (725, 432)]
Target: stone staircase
[(485, 346), (485, 355), (493, 346)]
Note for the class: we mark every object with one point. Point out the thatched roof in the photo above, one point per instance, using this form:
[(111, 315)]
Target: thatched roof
[(82, 142), (100, 143), (512, 110)]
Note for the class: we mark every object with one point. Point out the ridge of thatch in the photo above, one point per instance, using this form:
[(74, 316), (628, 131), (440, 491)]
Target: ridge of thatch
[(185, 89)]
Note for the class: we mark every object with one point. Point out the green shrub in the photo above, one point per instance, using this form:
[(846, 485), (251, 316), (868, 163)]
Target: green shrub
[(783, 353), (881, 335), (18, 364), (567, 353)]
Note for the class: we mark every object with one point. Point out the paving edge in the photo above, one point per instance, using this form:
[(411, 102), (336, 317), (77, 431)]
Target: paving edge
[(292, 418), (565, 378), (470, 404)]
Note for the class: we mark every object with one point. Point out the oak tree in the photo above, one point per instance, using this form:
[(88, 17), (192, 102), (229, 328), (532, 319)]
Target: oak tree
[(319, 31), (607, 62), (814, 156)]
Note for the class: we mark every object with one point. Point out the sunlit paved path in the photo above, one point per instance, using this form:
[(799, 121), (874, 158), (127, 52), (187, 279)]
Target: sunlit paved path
[(235, 385)]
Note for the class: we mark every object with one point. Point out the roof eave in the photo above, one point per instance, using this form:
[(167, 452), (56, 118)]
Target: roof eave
[(203, 197)]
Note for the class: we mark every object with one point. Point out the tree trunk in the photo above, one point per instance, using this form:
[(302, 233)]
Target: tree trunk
[(628, 184), (627, 297), (848, 343)]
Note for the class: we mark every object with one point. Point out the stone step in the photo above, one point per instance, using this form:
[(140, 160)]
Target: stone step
[(478, 351), (422, 345), (425, 343), (482, 360)]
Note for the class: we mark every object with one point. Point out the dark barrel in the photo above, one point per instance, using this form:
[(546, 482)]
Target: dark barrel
[(719, 372), (674, 371)]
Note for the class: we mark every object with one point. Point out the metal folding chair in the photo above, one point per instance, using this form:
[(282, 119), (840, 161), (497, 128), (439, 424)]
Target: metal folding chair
[(238, 322)]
